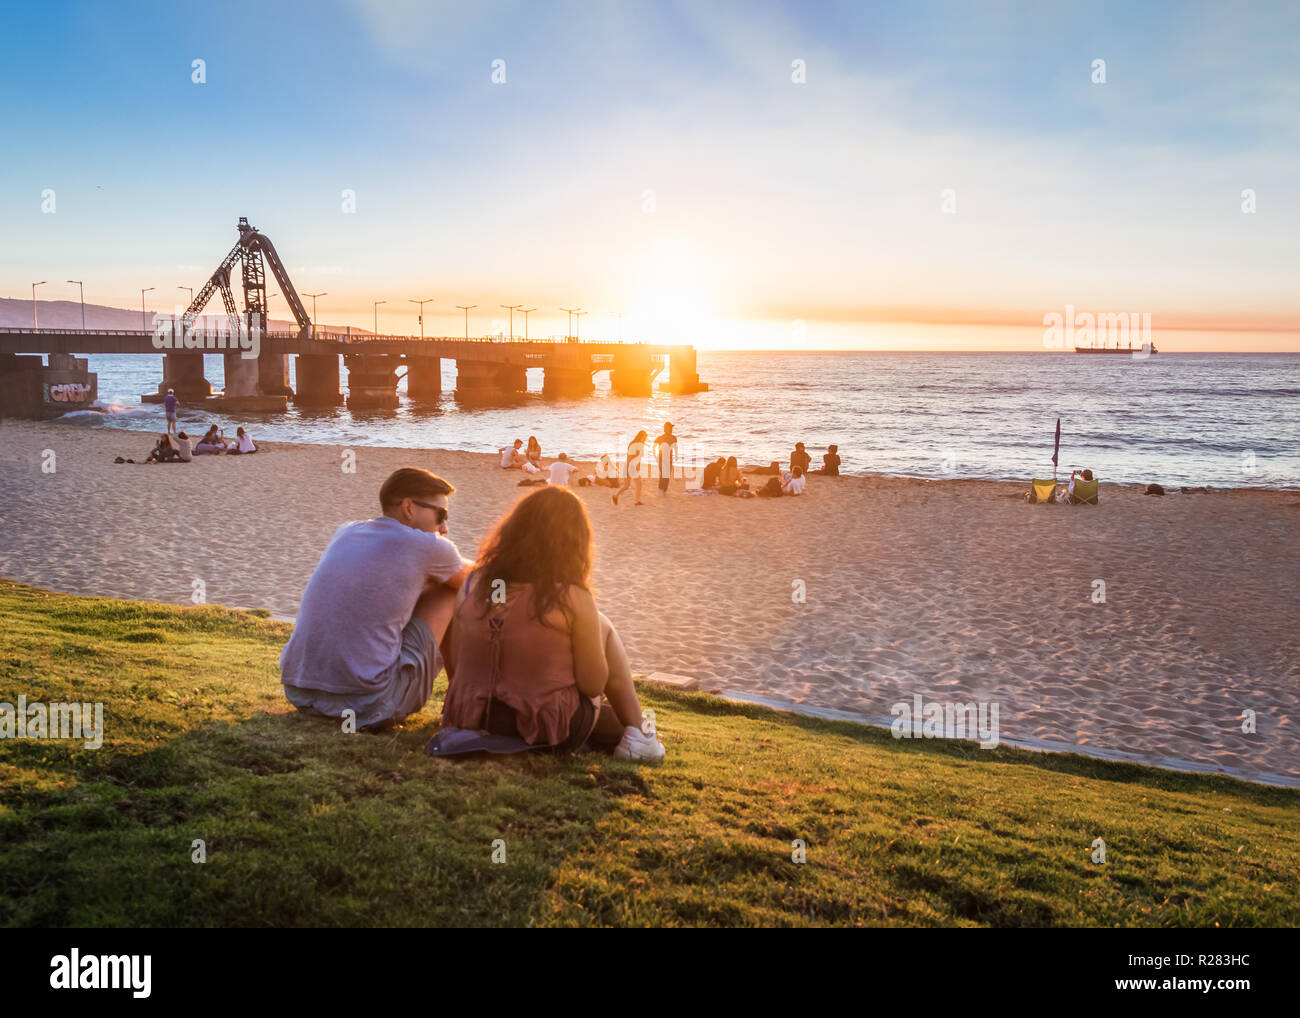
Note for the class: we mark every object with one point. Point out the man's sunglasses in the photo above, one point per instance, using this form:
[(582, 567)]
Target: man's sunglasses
[(442, 513)]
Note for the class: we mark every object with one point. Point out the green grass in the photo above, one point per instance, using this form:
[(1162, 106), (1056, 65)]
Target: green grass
[(305, 825)]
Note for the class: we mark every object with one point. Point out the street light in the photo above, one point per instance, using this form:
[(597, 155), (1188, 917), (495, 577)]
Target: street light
[(577, 335), (467, 309), (313, 296), (511, 308), (83, 303), (377, 303), (427, 300), (36, 325), (525, 312), (144, 321), (569, 334)]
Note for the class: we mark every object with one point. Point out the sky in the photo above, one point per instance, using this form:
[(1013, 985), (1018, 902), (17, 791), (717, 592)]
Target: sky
[(815, 175)]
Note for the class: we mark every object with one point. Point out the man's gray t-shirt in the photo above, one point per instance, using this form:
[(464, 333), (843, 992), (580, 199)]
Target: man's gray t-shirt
[(349, 629)]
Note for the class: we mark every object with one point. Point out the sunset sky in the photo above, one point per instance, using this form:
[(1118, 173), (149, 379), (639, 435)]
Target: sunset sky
[(658, 160)]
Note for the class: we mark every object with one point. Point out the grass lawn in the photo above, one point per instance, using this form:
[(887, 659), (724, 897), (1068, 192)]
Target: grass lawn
[(304, 825)]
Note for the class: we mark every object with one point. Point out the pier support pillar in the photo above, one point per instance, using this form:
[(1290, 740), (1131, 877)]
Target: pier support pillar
[(423, 377), (682, 375), (273, 375), (480, 379), (372, 381), (318, 380), (241, 374), (634, 372), (32, 390), (184, 373), (567, 382)]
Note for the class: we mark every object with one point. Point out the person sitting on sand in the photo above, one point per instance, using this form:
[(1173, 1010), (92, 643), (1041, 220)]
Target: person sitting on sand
[(243, 444), (772, 468), (731, 480), (1070, 497), (163, 451), (794, 484), (511, 457), (799, 457), (562, 470), (534, 452), (712, 472), (635, 459), (607, 471), (376, 609), (211, 444), (830, 463), (182, 445), (529, 653)]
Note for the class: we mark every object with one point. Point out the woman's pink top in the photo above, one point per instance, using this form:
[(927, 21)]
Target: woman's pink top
[(510, 656)]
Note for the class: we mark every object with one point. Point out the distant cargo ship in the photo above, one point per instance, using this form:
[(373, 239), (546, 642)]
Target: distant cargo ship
[(1145, 350)]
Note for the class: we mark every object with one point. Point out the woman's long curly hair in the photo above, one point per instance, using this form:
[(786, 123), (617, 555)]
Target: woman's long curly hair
[(545, 541)]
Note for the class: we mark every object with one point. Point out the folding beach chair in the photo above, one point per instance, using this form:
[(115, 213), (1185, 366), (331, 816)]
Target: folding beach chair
[(1041, 491), (1085, 492)]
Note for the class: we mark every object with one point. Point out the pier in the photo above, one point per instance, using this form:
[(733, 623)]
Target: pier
[(256, 361)]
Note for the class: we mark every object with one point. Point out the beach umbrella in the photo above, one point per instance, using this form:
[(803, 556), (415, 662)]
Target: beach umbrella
[(1056, 449)]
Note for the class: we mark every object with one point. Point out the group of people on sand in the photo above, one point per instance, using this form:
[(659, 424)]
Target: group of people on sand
[(723, 475), (176, 446), (529, 656), (529, 460), (664, 450), (180, 448)]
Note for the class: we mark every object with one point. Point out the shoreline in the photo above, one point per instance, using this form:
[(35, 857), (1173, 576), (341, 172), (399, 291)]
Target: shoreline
[(951, 588), (745, 467)]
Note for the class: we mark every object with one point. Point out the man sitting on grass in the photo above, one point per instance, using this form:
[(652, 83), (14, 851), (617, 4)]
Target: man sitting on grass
[(377, 608)]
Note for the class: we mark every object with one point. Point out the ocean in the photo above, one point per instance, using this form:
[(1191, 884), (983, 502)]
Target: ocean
[(1224, 420)]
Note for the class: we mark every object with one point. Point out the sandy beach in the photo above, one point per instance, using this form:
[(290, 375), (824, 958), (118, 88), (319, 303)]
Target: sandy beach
[(953, 590)]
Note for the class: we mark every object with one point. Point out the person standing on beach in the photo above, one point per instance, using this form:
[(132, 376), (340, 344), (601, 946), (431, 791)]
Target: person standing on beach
[(635, 455), (169, 404), (377, 608), (665, 446)]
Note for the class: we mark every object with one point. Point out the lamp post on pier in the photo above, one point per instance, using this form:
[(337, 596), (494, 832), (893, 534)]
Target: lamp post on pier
[(525, 312), (313, 296), (36, 325), (511, 308), (467, 308), (572, 311), (83, 303), (144, 320), (377, 303), (577, 326), (428, 300)]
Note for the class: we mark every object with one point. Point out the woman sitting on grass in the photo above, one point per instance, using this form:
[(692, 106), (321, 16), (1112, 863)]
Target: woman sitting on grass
[(529, 654)]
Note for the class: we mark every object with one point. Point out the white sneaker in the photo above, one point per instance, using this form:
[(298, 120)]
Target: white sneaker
[(636, 745)]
